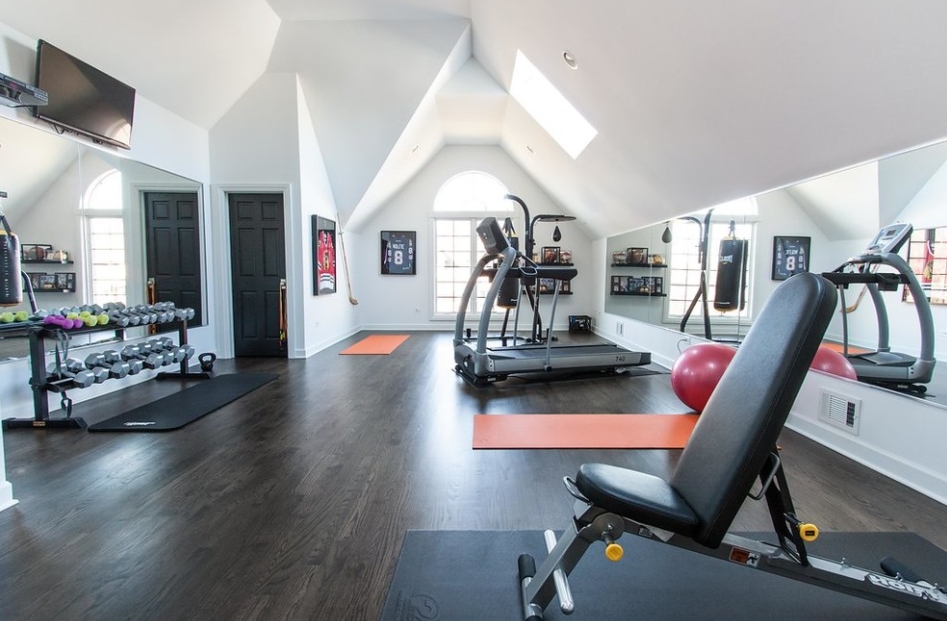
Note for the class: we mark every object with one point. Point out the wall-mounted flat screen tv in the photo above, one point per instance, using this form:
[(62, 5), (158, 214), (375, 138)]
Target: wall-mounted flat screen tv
[(83, 99)]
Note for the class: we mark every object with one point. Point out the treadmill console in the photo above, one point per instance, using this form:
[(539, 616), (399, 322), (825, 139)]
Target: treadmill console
[(890, 239), (494, 241)]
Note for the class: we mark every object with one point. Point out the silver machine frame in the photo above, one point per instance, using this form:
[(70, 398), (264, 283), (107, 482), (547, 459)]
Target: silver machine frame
[(883, 366), (481, 364)]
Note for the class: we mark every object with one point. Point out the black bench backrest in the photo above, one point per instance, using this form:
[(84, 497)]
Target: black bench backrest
[(746, 412)]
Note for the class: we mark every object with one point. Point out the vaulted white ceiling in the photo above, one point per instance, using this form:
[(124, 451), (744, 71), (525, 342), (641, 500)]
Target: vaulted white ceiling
[(695, 102)]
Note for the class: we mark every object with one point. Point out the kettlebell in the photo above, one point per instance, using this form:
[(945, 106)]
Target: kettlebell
[(207, 361)]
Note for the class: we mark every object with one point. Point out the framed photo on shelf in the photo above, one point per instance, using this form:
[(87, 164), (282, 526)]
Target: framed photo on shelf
[(35, 252), (790, 256), (323, 256), (65, 281), (550, 254), (637, 256), (565, 287), (399, 253), (636, 284), (36, 280), (547, 285), (618, 284), (657, 284)]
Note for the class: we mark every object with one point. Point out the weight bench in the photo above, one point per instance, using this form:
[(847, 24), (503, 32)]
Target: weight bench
[(733, 444)]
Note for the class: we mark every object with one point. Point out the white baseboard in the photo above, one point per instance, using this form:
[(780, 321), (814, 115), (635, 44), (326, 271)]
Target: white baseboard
[(918, 478)]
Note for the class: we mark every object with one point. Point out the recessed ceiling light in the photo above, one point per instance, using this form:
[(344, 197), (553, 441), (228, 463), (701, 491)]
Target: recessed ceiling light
[(570, 60)]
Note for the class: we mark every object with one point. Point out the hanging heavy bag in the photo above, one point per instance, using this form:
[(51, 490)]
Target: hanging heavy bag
[(11, 280), (729, 294), (510, 288)]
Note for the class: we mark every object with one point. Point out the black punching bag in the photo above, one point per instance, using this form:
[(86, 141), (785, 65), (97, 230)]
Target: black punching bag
[(510, 289), (729, 293), (11, 281)]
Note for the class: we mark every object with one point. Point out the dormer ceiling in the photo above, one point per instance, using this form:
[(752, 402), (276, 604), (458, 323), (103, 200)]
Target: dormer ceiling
[(695, 103)]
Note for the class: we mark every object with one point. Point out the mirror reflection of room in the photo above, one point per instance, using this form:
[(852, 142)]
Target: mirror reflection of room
[(81, 217), (813, 219)]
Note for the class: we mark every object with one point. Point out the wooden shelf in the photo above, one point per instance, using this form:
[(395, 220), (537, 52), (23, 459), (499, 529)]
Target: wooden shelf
[(45, 262), (640, 295), (658, 265)]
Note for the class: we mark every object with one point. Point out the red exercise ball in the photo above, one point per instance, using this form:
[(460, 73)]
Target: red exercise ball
[(697, 370), (830, 361)]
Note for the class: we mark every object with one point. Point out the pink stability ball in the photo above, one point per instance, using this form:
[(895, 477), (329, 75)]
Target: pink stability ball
[(830, 361), (697, 370)]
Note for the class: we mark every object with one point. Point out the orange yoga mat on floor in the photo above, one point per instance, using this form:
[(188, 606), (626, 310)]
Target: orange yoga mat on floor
[(606, 431), (376, 344), (840, 348)]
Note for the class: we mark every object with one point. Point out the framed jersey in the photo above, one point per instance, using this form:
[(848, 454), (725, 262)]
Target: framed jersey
[(790, 256), (399, 254)]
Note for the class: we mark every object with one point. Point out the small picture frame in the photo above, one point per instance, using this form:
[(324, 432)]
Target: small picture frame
[(565, 287), (66, 282), (657, 285), (547, 285), (619, 257), (35, 252), (637, 256), (618, 284), (790, 256), (550, 255), (36, 279)]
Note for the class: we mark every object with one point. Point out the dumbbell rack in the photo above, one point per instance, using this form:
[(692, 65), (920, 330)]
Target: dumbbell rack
[(41, 386)]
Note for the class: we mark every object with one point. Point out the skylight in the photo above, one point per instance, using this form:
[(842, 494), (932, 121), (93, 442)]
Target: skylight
[(546, 104)]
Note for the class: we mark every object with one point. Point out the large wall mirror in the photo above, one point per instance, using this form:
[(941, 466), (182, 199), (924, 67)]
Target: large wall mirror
[(98, 228), (828, 220)]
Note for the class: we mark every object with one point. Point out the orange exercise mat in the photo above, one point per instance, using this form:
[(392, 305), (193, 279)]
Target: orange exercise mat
[(840, 348), (376, 344), (607, 431)]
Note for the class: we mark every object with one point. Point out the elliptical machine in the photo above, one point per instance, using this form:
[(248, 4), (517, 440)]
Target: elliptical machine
[(883, 366)]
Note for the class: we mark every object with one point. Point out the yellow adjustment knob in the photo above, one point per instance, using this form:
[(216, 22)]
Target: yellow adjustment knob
[(808, 532), (614, 552)]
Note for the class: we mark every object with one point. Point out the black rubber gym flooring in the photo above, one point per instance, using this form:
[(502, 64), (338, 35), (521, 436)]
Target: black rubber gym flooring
[(179, 409), (472, 576)]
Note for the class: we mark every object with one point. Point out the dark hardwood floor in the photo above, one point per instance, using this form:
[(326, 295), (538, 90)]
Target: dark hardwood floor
[(292, 502)]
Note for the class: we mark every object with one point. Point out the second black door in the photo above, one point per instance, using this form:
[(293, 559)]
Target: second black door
[(258, 265)]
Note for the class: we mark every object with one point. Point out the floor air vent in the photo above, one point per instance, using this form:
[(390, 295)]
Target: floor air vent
[(841, 411)]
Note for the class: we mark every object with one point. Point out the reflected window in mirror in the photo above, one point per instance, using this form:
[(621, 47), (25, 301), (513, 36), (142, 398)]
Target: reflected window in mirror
[(927, 256), (730, 220), (105, 238)]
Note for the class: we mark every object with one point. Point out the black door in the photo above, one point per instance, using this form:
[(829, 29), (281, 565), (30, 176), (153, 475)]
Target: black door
[(258, 265), (173, 252)]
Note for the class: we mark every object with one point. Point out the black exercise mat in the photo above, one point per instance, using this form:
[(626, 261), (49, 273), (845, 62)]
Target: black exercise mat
[(181, 408), (471, 576)]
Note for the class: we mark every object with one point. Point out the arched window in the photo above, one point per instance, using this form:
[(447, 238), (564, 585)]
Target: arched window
[(460, 204), (472, 191), (105, 238)]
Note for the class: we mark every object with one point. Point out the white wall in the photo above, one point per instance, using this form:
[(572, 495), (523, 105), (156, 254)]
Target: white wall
[(328, 317), (265, 143), (405, 302)]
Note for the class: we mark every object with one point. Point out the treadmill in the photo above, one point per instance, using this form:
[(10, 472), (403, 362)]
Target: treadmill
[(481, 365), (883, 366)]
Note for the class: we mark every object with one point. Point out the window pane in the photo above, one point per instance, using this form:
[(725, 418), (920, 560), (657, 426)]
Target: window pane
[(107, 251)]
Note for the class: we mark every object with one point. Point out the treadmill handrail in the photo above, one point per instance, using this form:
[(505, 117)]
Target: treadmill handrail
[(921, 305), (507, 256)]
